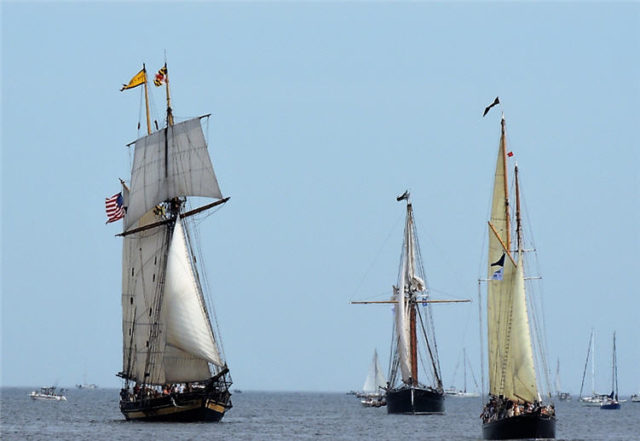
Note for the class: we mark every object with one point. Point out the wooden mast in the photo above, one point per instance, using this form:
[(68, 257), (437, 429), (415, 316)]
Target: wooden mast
[(414, 343), (146, 99), (503, 146), (518, 220), (169, 111)]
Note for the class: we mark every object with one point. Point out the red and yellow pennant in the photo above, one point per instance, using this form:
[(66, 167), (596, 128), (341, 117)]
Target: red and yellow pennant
[(161, 76)]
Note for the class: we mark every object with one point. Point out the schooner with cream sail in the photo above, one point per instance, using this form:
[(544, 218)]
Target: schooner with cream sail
[(173, 366), (515, 408)]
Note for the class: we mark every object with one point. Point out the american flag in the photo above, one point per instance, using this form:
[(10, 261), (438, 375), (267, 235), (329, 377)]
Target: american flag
[(115, 209)]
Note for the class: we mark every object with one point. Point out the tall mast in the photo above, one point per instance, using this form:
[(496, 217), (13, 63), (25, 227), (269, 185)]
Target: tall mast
[(169, 110), (518, 220), (614, 374), (503, 147), (413, 342), (146, 99)]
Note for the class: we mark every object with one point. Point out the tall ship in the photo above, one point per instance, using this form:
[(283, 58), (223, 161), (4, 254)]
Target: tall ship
[(515, 409), (413, 336), (173, 367)]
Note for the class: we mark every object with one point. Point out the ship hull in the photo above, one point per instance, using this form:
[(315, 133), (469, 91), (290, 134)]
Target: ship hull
[(521, 427), (415, 401), (188, 407)]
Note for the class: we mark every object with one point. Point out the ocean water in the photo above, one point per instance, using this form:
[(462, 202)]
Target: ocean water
[(94, 415)]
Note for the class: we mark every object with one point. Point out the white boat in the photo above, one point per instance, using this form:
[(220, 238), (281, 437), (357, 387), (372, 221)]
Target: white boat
[(635, 398), (595, 399), (374, 386), (48, 394), (462, 393)]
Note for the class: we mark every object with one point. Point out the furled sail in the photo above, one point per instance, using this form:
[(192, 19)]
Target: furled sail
[(375, 378), (402, 327), (172, 162)]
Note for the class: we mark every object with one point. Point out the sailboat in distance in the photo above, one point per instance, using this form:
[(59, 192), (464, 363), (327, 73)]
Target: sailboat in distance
[(373, 388), (514, 410), (611, 401), (413, 333), (173, 366)]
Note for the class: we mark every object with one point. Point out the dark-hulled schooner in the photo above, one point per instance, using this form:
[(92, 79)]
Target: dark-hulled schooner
[(515, 409), (173, 367), (413, 332)]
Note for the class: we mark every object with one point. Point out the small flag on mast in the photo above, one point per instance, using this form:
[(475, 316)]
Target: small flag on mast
[(403, 196), (115, 208), (495, 103), (498, 274), (138, 79), (161, 76)]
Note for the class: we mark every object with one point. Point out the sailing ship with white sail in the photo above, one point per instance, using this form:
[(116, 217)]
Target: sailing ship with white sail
[(373, 388), (514, 409), (413, 333), (562, 396), (173, 366)]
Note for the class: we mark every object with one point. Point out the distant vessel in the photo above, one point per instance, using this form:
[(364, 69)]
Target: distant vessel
[(412, 328), (514, 410), (635, 398), (462, 393), (595, 399), (48, 394), (611, 402), (172, 366), (562, 396), (374, 385)]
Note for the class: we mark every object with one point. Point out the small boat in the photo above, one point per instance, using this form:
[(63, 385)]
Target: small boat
[(562, 396), (611, 402), (635, 398), (48, 394), (373, 389), (413, 330), (595, 399), (515, 409), (173, 365), (462, 393)]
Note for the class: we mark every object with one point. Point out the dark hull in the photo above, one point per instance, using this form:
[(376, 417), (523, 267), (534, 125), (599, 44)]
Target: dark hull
[(423, 401), (186, 407), (610, 406), (519, 427)]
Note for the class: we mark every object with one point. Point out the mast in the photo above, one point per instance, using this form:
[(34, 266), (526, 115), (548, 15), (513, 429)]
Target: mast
[(518, 220), (614, 374), (414, 343), (169, 110), (146, 99), (503, 149)]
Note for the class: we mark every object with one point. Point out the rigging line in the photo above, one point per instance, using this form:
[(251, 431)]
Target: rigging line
[(436, 371), (391, 231)]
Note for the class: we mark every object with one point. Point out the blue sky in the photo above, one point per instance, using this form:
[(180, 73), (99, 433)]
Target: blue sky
[(322, 113)]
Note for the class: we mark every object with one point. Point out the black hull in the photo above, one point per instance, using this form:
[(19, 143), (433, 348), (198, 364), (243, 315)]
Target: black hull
[(424, 401), (521, 426), (185, 407)]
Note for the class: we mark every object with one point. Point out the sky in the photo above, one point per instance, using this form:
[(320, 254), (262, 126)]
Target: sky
[(322, 113)]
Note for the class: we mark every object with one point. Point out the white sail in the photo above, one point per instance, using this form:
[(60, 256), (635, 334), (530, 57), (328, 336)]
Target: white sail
[(402, 328), (142, 269), (183, 311), (375, 378), (169, 163)]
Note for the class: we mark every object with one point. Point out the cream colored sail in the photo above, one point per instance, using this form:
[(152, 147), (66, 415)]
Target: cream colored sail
[(511, 364), (375, 378), (402, 327)]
